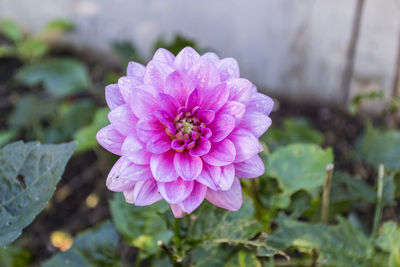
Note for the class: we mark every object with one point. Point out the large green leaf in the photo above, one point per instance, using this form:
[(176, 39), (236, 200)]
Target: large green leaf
[(380, 147), (339, 245), (389, 240), (293, 130), (59, 76), (95, 247), (29, 174), (299, 167), (141, 227), (13, 256), (86, 135), (11, 30)]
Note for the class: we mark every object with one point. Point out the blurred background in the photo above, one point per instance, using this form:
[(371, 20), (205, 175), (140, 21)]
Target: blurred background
[(305, 50)]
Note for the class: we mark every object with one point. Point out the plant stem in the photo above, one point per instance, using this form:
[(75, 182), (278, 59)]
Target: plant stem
[(326, 193), (378, 209), (138, 258)]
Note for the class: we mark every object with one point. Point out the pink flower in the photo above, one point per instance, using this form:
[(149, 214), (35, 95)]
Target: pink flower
[(186, 128)]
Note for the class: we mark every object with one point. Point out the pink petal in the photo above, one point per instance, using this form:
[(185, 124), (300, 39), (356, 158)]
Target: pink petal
[(250, 168), (155, 74), (221, 127), (123, 120), (209, 175), (205, 74), (143, 103), (202, 148), (193, 100), (113, 96), (124, 174), (194, 199), (164, 56), (246, 144), (110, 139), (135, 150), (211, 56), (127, 86), (221, 154), (162, 167), (240, 90), (186, 58), (226, 178), (146, 193), (188, 167), (228, 69), (215, 98), (205, 116), (147, 127), (230, 199), (175, 191), (234, 108), (255, 122), (164, 117), (135, 70), (168, 103), (178, 86), (128, 194), (261, 103), (160, 143), (177, 211)]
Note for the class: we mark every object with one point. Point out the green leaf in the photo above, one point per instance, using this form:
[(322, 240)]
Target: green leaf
[(213, 226), (141, 227), (389, 241), (26, 111), (7, 135), (13, 256), (293, 130), (339, 245), (176, 44), (29, 174), (94, 247), (60, 25), (243, 258), (32, 48), (68, 118), (125, 52), (299, 167), (11, 30), (376, 147), (86, 136), (214, 256), (59, 76)]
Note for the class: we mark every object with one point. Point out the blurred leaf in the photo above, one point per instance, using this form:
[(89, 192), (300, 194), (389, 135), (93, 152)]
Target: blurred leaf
[(30, 109), (176, 44), (389, 241), (32, 48), (214, 256), (11, 30), (125, 53), (213, 226), (68, 118), (94, 247), (293, 130), (359, 99), (13, 256), (7, 51), (345, 188), (243, 258), (141, 227), (60, 25), (7, 135), (86, 136), (376, 147), (299, 166), (339, 245), (389, 189), (29, 174), (59, 76)]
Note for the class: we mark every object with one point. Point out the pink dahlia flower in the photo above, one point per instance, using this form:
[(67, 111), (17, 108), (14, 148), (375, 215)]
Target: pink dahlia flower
[(186, 128)]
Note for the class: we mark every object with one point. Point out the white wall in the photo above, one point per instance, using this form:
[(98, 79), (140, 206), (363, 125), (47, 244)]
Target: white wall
[(296, 49)]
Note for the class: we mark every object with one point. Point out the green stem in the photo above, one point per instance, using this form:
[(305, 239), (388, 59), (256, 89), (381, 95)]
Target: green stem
[(138, 258), (326, 193), (378, 209)]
